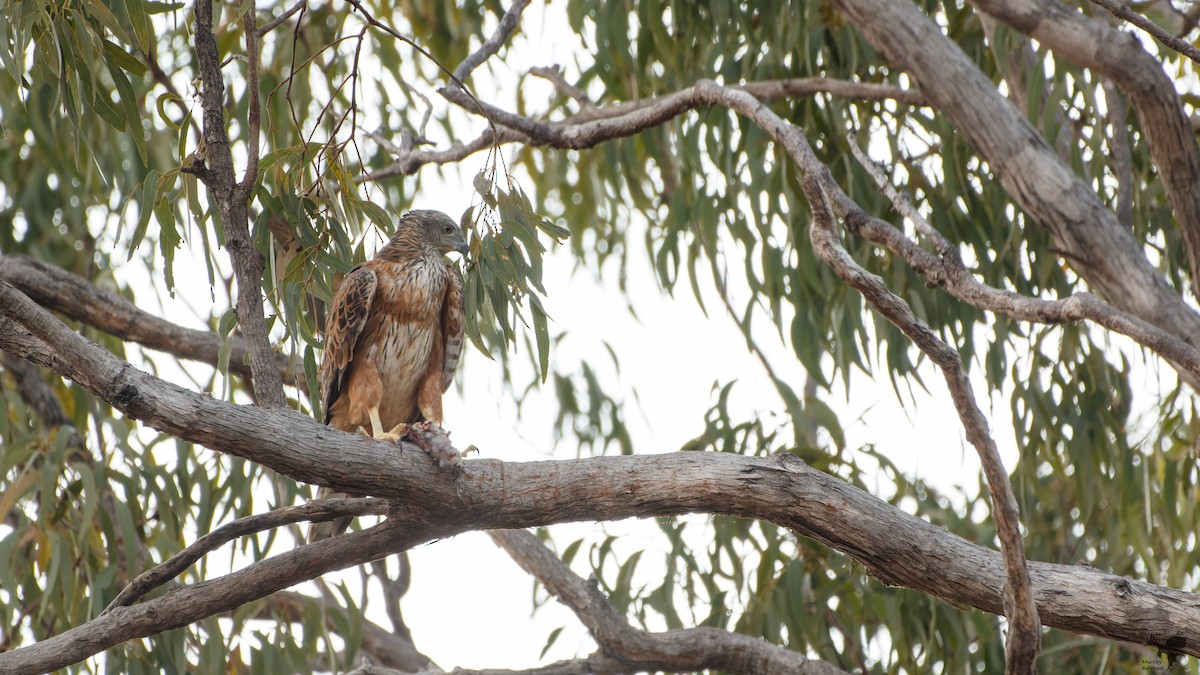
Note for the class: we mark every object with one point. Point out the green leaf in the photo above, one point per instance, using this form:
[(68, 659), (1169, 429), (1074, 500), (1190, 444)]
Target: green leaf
[(140, 19), (145, 209), (101, 12), (550, 641), (541, 334)]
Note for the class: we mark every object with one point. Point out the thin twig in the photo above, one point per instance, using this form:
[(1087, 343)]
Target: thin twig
[(254, 114), (277, 21), (554, 75), (508, 24), (1169, 41)]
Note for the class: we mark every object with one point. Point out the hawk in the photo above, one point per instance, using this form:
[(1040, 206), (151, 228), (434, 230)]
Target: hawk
[(393, 337)]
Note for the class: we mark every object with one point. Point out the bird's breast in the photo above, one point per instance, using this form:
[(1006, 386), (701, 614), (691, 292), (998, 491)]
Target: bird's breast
[(411, 291)]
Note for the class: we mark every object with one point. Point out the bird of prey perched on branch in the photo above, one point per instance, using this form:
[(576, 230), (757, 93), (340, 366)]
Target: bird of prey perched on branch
[(393, 337)]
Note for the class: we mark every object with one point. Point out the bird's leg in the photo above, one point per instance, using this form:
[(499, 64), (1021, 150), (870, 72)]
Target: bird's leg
[(377, 427)]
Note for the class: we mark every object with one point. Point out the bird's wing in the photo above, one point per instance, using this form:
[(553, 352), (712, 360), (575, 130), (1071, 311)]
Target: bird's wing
[(347, 316), (453, 325)]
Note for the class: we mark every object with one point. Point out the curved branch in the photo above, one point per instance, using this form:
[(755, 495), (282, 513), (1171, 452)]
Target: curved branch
[(554, 134), (79, 299), (1148, 321), (385, 647), (947, 271), (685, 650), (277, 21), (1024, 629), (895, 547), (508, 24), (1157, 32), (316, 511)]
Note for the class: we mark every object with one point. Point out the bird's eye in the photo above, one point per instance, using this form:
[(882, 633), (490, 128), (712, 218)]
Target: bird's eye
[(448, 229)]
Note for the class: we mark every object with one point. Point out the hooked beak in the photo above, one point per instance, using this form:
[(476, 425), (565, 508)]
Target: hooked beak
[(463, 248)]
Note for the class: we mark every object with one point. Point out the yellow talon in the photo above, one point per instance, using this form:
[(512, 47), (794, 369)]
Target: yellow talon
[(377, 428)]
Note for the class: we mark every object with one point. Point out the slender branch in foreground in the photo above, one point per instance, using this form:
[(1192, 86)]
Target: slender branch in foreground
[(1019, 606), (508, 25), (317, 511), (232, 200), (254, 109), (684, 650), (277, 21), (1168, 40), (80, 300), (576, 132), (577, 135), (895, 547)]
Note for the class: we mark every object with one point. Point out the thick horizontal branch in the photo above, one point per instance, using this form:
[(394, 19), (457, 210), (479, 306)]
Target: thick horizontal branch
[(895, 547), (79, 299), (685, 650)]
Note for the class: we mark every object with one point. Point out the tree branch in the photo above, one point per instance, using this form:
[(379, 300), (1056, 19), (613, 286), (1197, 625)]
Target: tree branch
[(231, 200), (244, 190), (508, 24), (80, 300), (1024, 628), (1103, 252), (947, 271), (895, 547), (1150, 321), (561, 134), (685, 650), (277, 21), (1111, 53), (386, 648), (1169, 41), (317, 511)]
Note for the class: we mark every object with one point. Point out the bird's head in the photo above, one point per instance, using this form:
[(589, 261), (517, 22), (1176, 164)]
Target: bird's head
[(434, 229)]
